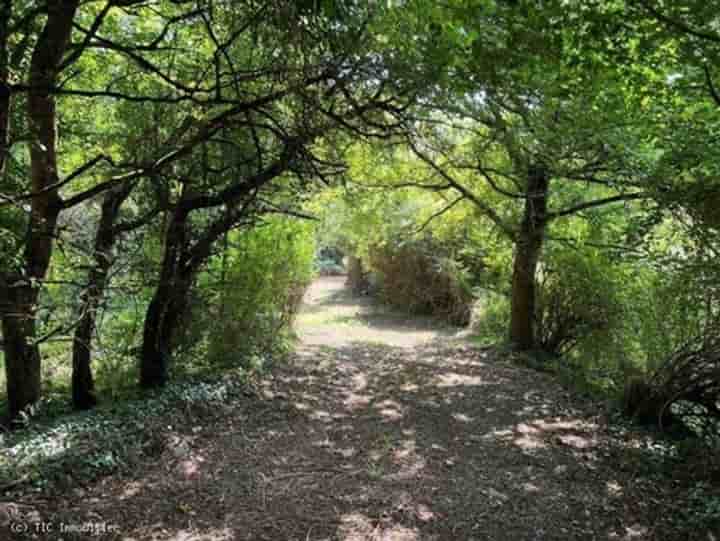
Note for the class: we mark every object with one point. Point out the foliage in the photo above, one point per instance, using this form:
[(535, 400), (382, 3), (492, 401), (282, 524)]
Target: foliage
[(554, 163), (55, 453), (489, 318), (703, 507), (577, 299), (415, 277), (255, 288)]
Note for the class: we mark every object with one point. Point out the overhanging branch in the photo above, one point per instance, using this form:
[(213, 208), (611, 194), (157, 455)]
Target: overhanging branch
[(595, 203)]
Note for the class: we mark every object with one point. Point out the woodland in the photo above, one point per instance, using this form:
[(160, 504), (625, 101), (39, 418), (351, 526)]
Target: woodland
[(539, 179)]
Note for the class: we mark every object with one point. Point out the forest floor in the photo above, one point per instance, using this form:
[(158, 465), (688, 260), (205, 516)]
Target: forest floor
[(384, 427)]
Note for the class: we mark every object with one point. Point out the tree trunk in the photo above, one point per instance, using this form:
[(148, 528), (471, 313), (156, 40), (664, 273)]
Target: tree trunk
[(22, 357), (5, 14), (82, 379), (181, 263), (21, 289), (161, 323), (166, 307), (527, 253)]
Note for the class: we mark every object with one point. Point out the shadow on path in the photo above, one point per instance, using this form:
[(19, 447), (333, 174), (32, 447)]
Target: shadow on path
[(388, 428)]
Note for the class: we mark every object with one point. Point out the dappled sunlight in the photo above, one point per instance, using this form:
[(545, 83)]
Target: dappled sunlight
[(534, 409), (390, 410), (631, 533), (356, 401), (407, 457), (614, 489), (409, 387), (528, 437), (48, 444), (576, 441), (335, 318), (302, 406), (190, 467), (540, 434), (359, 382), (367, 441), (452, 379), (321, 415), (131, 490), (530, 488), (348, 452)]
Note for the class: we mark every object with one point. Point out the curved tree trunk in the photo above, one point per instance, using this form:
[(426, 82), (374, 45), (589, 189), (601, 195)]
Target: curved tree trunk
[(181, 263), (161, 323), (167, 305), (527, 254), (82, 379)]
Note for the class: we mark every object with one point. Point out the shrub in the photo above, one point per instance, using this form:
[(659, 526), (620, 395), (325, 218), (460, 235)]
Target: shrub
[(490, 316), (685, 387), (576, 300), (358, 277), (266, 272), (414, 278)]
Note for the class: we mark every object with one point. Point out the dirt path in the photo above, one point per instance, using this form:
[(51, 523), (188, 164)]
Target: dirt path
[(388, 428)]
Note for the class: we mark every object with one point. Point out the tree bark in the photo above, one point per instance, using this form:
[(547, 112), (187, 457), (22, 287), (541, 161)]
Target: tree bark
[(181, 263), (22, 357), (167, 305), (21, 289), (83, 386), (527, 253), (5, 14)]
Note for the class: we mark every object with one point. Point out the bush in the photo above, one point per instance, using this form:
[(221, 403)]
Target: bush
[(490, 317), (412, 277), (266, 273), (684, 387), (358, 277), (576, 300)]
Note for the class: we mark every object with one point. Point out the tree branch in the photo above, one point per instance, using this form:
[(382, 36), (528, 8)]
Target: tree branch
[(680, 25), (437, 214), (485, 208), (713, 91), (595, 203)]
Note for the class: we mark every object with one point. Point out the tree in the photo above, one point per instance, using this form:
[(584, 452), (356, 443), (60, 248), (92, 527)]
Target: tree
[(508, 119), (19, 287), (335, 88)]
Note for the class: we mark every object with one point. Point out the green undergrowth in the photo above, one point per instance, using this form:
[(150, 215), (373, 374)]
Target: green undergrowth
[(56, 451)]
